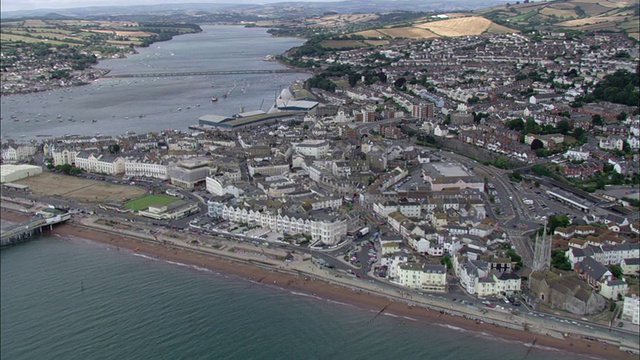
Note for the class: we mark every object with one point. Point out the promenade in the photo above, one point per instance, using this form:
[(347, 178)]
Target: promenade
[(269, 258)]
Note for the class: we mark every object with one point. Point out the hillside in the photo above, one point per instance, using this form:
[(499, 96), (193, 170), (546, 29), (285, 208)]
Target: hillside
[(433, 27), (582, 15)]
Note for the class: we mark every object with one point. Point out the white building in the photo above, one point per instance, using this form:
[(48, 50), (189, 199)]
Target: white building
[(631, 309), (218, 187), (313, 148), (102, 164), (324, 227), (267, 168), (611, 143), (12, 153), (10, 173), (392, 262), (613, 289), (63, 156), (576, 155), (146, 168), (422, 277)]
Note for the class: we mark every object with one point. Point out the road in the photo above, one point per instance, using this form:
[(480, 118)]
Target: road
[(516, 219)]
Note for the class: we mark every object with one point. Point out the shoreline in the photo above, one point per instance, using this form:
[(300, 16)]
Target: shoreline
[(308, 284)]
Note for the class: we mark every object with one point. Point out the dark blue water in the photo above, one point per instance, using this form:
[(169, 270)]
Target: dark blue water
[(77, 299)]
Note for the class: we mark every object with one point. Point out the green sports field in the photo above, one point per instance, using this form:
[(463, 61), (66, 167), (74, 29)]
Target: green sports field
[(145, 202)]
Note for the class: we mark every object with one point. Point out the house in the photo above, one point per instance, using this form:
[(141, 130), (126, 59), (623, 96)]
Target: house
[(611, 143), (594, 273), (390, 244), (470, 272), (391, 262), (13, 153), (613, 289), (423, 277), (497, 283), (630, 266)]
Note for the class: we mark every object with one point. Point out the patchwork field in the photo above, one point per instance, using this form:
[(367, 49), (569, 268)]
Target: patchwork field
[(145, 202), (80, 189)]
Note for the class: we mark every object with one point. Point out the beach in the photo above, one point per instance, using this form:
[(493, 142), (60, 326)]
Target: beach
[(307, 283)]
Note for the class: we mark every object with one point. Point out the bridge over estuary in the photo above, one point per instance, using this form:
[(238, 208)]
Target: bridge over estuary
[(205, 73), (24, 231)]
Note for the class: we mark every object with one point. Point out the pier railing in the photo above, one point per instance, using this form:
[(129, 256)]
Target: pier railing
[(26, 230)]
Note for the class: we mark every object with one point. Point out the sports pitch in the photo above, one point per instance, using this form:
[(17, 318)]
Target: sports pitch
[(144, 202)]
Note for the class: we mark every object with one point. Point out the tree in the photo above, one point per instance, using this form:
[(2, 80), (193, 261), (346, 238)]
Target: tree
[(515, 258), (399, 83), (563, 127), (596, 120), (446, 260), (541, 170), (616, 270), (501, 162), (560, 261), (556, 221), (515, 124), (531, 127), (354, 78), (622, 116), (515, 176), (114, 148)]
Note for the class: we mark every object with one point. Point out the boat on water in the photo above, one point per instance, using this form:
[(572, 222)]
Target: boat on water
[(214, 98)]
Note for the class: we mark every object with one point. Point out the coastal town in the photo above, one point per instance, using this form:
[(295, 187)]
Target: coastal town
[(493, 176)]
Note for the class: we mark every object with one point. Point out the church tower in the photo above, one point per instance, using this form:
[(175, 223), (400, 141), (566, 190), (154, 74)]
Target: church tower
[(542, 251)]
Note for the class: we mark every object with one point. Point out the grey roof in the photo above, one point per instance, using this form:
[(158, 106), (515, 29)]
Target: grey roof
[(438, 269), (634, 261), (592, 268)]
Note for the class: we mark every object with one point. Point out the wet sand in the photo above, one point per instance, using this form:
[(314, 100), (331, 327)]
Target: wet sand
[(309, 285)]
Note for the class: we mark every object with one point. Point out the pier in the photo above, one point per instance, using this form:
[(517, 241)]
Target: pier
[(205, 73), (26, 230)]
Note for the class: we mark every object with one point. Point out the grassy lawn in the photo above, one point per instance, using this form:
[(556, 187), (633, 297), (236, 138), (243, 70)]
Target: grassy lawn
[(145, 202)]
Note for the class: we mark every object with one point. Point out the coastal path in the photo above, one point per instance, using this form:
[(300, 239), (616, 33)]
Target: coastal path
[(205, 73)]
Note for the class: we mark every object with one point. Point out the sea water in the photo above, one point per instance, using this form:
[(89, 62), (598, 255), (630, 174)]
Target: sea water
[(78, 299)]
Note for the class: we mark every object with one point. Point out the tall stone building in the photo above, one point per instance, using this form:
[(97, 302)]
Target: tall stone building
[(542, 252)]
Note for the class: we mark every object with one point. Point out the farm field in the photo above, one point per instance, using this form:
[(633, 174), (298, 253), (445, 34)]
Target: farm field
[(92, 191), (408, 32), (145, 202), (474, 25), (342, 44)]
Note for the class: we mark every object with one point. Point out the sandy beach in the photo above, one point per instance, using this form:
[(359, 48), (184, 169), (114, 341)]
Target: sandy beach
[(307, 284)]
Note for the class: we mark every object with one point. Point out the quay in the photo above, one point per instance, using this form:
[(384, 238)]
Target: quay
[(26, 230), (205, 73)]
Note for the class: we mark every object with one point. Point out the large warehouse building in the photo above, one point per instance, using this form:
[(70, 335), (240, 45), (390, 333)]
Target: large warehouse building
[(10, 173), (243, 120)]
